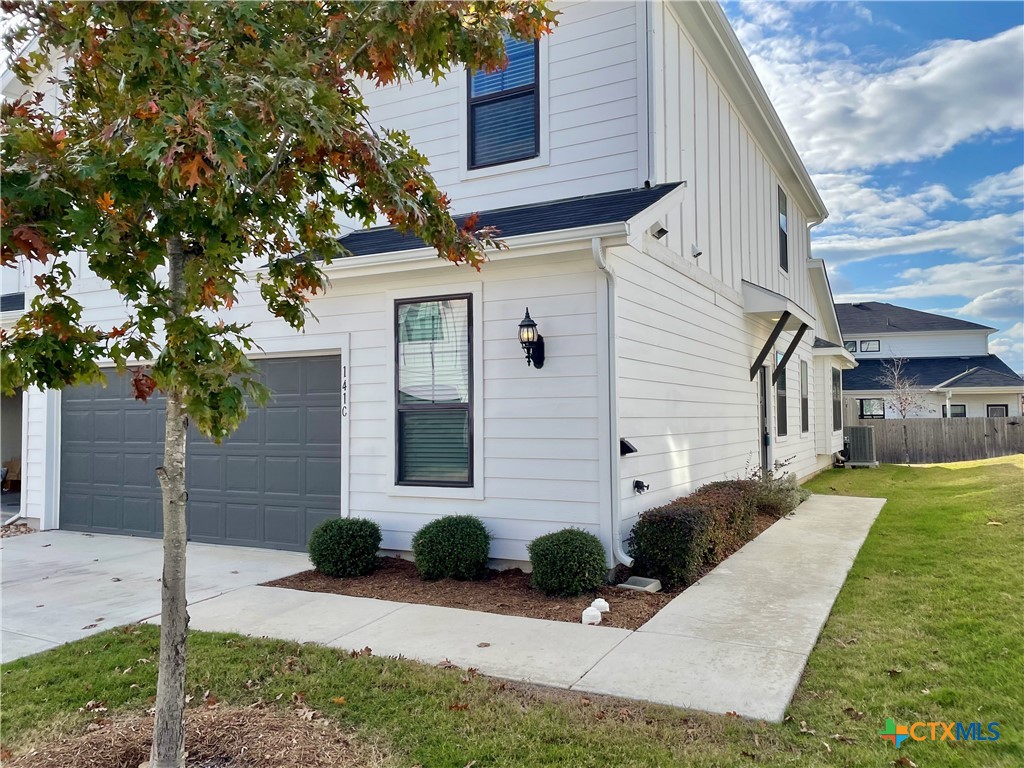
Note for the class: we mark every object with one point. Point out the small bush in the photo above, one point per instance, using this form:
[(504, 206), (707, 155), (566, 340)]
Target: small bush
[(777, 496), (345, 547), (737, 499), (453, 547), (567, 562), (671, 543)]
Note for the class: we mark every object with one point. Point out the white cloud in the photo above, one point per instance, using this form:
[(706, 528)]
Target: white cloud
[(854, 201), (1006, 303), (842, 114), (999, 188), (992, 236), (962, 280), (1009, 345)]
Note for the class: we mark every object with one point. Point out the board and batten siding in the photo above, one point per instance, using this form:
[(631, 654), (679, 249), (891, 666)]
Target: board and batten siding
[(540, 428), (731, 210), (591, 99), (685, 399)]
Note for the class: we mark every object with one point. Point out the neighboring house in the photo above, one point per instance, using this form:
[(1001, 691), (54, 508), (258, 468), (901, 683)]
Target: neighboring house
[(657, 220), (946, 358)]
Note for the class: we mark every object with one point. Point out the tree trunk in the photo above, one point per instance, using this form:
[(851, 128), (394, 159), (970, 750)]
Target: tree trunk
[(168, 749)]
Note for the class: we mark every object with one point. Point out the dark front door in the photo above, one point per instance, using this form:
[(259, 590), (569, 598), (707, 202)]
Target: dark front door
[(268, 485), (762, 418)]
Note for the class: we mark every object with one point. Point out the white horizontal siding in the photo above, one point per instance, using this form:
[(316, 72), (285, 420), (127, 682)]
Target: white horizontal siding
[(685, 398), (931, 344)]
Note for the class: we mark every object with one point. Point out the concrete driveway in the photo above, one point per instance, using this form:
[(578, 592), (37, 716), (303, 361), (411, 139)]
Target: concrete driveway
[(59, 586)]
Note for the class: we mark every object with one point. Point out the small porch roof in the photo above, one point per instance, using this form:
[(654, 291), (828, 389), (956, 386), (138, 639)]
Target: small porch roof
[(770, 306)]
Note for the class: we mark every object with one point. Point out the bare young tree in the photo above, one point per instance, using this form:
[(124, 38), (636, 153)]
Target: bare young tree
[(905, 396)]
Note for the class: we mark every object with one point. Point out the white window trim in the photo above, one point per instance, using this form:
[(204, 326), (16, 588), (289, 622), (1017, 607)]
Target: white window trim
[(476, 491), (543, 104), (871, 341)]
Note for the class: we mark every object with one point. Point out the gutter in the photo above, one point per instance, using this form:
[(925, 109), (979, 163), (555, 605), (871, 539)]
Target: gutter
[(618, 553)]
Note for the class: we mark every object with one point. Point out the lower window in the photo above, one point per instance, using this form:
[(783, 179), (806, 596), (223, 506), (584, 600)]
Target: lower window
[(781, 412), (956, 412), (996, 411), (434, 397), (872, 408)]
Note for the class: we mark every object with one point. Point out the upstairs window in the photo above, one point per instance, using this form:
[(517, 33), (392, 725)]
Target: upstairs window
[(851, 347), (504, 109), (783, 232), (870, 346), (805, 405), (781, 412), (434, 398)]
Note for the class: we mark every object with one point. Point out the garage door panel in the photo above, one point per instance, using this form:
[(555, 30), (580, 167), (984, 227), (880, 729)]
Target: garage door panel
[(107, 513), (284, 526), (242, 474), (323, 426), (267, 485), (323, 476)]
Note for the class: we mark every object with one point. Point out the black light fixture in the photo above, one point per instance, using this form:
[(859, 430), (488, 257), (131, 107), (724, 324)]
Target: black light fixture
[(533, 342)]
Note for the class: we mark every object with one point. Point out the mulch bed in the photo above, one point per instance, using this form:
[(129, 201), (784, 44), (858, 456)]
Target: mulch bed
[(15, 529), (214, 738), (506, 592)]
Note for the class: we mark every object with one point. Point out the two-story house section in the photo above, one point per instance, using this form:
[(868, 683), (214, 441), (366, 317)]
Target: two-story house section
[(943, 361), (656, 217)]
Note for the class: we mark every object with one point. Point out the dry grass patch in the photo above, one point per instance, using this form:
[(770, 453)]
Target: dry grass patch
[(253, 737)]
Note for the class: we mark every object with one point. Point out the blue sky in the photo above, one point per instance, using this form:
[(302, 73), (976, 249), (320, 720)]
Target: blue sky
[(910, 118)]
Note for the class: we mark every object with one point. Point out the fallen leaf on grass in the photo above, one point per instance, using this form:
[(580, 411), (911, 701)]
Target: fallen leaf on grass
[(93, 705), (367, 651), (732, 714), (446, 664), (853, 713), (844, 739), (468, 677), (805, 729), (893, 672), (905, 762), (339, 700), (459, 706), (751, 755), (827, 747), (993, 522)]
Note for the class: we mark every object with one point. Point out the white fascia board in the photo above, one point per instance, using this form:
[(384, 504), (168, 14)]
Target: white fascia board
[(840, 352), (518, 247), (822, 290)]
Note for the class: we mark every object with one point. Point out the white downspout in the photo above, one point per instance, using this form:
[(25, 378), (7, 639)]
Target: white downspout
[(618, 553)]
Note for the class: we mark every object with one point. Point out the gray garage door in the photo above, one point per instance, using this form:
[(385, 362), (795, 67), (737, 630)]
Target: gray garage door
[(268, 485)]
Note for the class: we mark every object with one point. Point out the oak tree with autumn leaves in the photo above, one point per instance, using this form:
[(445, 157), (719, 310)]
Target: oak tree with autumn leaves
[(190, 137)]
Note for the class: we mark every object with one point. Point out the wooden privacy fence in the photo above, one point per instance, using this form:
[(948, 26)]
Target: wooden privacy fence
[(930, 441)]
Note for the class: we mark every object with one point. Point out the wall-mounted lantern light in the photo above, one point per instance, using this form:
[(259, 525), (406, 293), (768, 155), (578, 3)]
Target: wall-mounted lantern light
[(533, 342)]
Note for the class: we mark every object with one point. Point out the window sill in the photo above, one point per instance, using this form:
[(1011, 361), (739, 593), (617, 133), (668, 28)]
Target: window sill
[(469, 174), (433, 492)]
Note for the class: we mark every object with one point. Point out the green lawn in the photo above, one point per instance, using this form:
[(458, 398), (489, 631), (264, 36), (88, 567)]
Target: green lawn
[(928, 627)]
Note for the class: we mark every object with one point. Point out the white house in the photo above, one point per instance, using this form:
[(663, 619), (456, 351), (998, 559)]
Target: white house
[(658, 221), (953, 375)]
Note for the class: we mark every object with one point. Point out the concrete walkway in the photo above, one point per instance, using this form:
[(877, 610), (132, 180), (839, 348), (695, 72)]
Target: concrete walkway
[(737, 641)]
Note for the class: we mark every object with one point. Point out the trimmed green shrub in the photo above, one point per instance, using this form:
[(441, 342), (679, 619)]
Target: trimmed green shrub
[(567, 562), (345, 547), (671, 543), (453, 547), (735, 505)]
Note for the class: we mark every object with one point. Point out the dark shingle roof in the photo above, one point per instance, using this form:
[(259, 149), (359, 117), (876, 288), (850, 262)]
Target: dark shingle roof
[(876, 317), (825, 344), (929, 371), (551, 216), (985, 377), (12, 302)]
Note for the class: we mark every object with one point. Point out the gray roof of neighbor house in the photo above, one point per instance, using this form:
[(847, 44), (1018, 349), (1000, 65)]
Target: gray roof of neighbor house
[(932, 371), (877, 317), (820, 343), (984, 377), (549, 216)]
